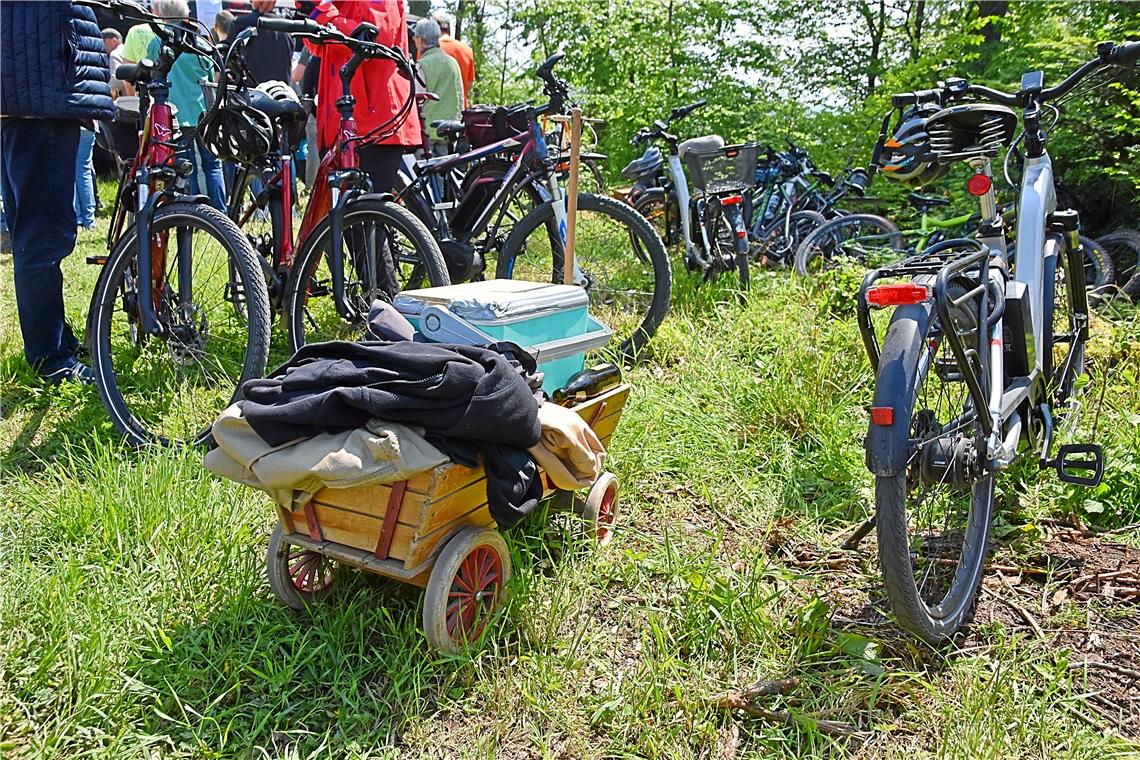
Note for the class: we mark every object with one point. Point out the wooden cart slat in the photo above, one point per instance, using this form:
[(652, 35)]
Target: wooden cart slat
[(435, 505)]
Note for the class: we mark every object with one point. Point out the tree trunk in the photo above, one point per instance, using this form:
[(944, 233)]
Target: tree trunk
[(915, 31), (991, 9)]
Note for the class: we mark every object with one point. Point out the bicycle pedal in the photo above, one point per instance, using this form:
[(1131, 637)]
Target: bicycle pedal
[(1075, 458), (947, 370)]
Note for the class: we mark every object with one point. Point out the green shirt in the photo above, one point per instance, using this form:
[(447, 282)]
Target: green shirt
[(441, 74), (185, 91), (137, 42)]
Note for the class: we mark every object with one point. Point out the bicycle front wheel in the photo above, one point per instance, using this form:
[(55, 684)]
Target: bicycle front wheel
[(386, 250), (865, 239), (168, 387), (933, 517), (622, 261)]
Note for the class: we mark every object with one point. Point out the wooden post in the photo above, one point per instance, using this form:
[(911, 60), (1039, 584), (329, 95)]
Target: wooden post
[(572, 192)]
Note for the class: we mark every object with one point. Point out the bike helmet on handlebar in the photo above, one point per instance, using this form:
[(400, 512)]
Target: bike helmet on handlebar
[(236, 131), (907, 156)]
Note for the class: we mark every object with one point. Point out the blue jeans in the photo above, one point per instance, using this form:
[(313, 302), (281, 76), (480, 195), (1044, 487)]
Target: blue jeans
[(208, 164), (38, 183), (85, 180)]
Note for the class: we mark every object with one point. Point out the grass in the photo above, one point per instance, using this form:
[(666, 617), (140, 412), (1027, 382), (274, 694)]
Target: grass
[(138, 622)]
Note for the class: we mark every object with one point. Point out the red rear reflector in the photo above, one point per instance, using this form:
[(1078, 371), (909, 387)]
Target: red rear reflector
[(742, 233), (978, 185), (732, 200), (897, 294), (883, 415)]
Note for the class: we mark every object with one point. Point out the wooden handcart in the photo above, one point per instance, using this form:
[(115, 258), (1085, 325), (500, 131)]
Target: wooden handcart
[(433, 530)]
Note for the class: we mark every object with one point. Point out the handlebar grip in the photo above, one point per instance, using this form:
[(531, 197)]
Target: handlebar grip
[(915, 98), (288, 25), (1125, 54)]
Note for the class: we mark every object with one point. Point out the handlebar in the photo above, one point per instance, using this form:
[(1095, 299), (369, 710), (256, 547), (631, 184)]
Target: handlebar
[(1108, 54), (171, 31), (681, 112), (290, 26)]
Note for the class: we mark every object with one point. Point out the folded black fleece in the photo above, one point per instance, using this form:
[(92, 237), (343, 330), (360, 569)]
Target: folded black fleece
[(463, 392)]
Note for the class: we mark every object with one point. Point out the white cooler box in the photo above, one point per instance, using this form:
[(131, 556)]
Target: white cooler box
[(550, 321)]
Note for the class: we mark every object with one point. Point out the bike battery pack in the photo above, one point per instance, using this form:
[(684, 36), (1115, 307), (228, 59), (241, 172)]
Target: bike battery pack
[(1017, 331)]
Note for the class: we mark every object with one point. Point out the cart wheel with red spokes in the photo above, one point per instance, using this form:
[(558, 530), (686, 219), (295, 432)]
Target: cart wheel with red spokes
[(299, 577), (600, 508), (466, 585)]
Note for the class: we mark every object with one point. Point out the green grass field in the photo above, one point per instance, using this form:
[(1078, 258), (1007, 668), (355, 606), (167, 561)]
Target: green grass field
[(137, 621)]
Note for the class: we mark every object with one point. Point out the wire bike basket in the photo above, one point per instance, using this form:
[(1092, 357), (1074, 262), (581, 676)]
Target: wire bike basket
[(731, 169)]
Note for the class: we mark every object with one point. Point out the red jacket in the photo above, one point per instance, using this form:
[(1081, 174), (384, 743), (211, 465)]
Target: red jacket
[(379, 90)]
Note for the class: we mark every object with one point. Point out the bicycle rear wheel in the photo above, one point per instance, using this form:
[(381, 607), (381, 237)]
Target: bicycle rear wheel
[(168, 387), (865, 239), (373, 228), (779, 248), (622, 260), (933, 516)]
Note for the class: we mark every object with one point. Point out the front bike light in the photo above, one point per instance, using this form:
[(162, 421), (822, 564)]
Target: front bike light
[(897, 294)]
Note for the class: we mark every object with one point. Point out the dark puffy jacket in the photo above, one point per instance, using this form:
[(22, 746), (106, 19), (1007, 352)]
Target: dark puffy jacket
[(52, 62)]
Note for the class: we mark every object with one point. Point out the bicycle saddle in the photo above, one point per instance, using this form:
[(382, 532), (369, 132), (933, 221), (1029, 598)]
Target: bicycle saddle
[(647, 164), (447, 127), (281, 110), (700, 145), (134, 72), (923, 202)]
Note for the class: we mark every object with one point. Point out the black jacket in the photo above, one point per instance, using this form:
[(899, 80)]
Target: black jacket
[(52, 62), (269, 56), (462, 392)]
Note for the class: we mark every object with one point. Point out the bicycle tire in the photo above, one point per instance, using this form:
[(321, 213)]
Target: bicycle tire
[(777, 248), (920, 606), (660, 209), (884, 238), (1123, 247), (112, 289), (646, 247), (1099, 269), (302, 286)]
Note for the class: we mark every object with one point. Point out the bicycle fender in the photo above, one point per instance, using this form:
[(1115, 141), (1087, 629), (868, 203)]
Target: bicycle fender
[(887, 446), (179, 198), (385, 197), (637, 194)]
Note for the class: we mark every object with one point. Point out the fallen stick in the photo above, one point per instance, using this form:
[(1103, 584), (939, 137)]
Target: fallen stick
[(734, 701), (1025, 614), (1119, 669)]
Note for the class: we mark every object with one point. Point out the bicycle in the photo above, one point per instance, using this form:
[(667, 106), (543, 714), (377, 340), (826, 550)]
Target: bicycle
[(470, 200), (619, 259), (976, 363), (711, 219), (178, 319), (869, 240), (789, 191), (326, 276)]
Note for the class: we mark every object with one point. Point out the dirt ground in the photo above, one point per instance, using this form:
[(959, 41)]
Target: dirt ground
[(1074, 592)]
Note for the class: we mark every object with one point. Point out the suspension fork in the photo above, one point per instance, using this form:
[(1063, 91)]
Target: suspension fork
[(143, 223), (340, 199)]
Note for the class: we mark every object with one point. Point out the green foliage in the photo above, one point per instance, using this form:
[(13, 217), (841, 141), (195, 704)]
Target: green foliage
[(821, 73)]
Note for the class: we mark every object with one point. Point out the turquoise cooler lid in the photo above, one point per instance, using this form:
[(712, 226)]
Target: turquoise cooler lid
[(495, 301)]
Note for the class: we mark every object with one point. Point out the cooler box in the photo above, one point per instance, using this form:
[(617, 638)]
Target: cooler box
[(551, 321)]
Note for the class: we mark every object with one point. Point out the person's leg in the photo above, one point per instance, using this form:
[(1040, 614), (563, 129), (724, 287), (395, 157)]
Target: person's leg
[(212, 169), (39, 190), (85, 180), (381, 163)]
